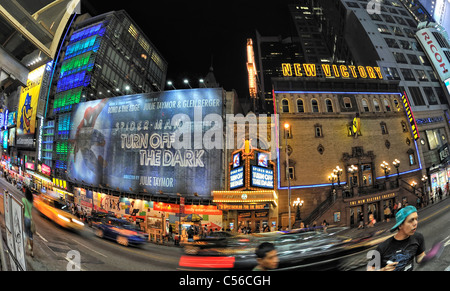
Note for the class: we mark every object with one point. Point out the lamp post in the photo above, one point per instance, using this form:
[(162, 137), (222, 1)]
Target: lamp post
[(298, 203), (397, 165), (169, 83), (338, 173), (385, 166), (352, 169), (288, 176), (332, 178), (186, 81), (413, 185), (202, 82), (424, 184)]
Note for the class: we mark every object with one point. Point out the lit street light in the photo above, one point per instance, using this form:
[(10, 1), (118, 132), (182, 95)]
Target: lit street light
[(186, 81), (169, 83)]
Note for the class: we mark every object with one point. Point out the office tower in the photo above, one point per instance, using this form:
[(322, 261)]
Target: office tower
[(106, 55), (30, 32)]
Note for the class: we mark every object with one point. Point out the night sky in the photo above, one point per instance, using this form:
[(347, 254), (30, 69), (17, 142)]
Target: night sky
[(192, 34)]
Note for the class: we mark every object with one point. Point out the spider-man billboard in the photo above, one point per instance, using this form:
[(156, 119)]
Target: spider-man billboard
[(164, 141)]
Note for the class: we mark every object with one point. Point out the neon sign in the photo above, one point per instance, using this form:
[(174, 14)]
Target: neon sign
[(331, 71), (410, 116)]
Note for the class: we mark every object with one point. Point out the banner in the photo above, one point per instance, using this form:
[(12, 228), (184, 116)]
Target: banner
[(162, 141), (27, 108)]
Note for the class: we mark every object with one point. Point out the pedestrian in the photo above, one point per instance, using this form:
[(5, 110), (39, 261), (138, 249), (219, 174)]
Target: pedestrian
[(399, 251), (28, 219), (267, 257), (387, 212)]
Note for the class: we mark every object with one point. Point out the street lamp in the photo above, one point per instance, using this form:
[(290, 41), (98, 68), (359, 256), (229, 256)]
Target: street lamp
[(397, 165), (338, 173), (202, 82), (413, 185), (385, 166), (352, 169), (332, 178), (186, 81), (424, 184), (298, 203), (169, 83), (286, 129)]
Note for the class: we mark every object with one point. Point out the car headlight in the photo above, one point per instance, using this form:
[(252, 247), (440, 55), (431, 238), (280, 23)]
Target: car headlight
[(63, 218), (78, 222)]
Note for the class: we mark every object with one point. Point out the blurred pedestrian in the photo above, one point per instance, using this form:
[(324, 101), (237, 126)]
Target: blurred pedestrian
[(267, 257), (28, 219), (399, 251)]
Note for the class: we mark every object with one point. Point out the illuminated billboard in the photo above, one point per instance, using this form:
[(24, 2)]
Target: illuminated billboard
[(149, 142), (28, 108)]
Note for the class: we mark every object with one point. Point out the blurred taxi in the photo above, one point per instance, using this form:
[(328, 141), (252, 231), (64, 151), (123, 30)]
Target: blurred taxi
[(120, 230), (337, 248), (57, 211)]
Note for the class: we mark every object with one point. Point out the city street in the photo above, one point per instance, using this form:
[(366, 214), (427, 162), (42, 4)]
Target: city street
[(53, 243)]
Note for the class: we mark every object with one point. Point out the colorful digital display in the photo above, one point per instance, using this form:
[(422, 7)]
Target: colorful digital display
[(236, 160), (237, 178), (153, 142), (263, 160), (261, 177)]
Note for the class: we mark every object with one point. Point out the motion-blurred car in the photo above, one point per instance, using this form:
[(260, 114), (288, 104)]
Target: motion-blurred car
[(96, 218), (122, 231), (57, 211), (337, 249)]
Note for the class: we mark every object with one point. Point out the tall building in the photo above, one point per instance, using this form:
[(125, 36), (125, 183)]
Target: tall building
[(30, 33), (440, 10), (105, 56)]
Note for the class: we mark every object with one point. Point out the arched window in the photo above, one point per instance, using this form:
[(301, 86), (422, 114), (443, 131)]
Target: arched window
[(300, 107), (376, 105), (365, 105), (285, 105), (329, 105), (387, 105), (314, 105), (397, 105)]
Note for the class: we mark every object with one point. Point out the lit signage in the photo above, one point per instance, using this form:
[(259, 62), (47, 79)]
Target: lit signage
[(410, 116), (434, 52), (46, 170), (447, 84), (29, 166), (262, 177), (251, 67), (356, 125), (237, 178), (331, 71)]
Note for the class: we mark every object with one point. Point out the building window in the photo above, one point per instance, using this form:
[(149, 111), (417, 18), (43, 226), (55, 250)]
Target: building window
[(329, 105), (400, 58), (416, 96), (347, 102), (404, 126), (411, 157), (392, 43), (429, 93), (387, 105), (365, 105), (285, 106), (300, 107), (384, 129), (391, 73), (397, 104), (291, 173), (436, 138), (376, 105), (318, 130), (314, 105)]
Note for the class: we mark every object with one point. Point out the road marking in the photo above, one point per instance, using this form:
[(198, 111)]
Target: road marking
[(437, 212), (90, 248), (41, 236)]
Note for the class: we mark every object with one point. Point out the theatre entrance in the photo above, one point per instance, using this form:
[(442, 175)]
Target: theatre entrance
[(254, 221)]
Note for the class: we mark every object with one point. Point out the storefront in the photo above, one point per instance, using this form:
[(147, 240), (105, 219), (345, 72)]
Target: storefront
[(248, 210), (360, 209)]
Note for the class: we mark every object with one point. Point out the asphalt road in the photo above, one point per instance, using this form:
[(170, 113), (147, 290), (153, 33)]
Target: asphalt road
[(55, 249)]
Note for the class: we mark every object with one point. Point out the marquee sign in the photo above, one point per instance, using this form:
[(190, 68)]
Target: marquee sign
[(331, 71)]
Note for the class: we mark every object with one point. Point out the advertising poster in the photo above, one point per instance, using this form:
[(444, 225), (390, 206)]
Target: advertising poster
[(164, 141), (27, 108)]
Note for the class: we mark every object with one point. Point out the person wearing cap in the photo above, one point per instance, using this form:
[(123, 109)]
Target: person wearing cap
[(398, 252)]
